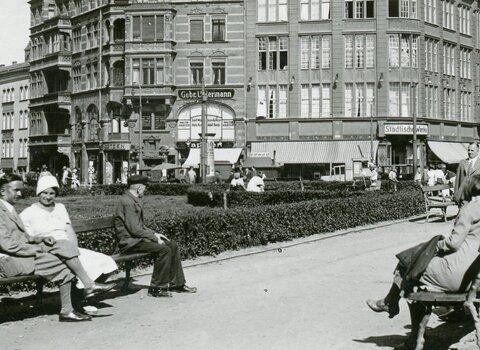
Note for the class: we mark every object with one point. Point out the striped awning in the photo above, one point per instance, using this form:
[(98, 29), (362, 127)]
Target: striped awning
[(316, 152), (229, 155), (449, 152)]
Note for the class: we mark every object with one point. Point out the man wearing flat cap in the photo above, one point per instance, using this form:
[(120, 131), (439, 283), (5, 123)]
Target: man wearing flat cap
[(134, 237)]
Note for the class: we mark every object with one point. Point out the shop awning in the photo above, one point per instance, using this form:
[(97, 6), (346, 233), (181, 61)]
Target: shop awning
[(449, 152), (316, 152), (260, 162), (229, 155)]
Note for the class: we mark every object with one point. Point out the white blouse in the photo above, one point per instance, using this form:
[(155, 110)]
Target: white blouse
[(41, 222)]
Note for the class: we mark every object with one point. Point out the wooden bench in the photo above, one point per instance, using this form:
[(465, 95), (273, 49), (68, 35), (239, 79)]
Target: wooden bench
[(436, 201), (422, 302), (83, 226)]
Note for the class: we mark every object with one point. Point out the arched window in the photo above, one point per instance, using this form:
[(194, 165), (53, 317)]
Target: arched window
[(92, 113), (78, 124)]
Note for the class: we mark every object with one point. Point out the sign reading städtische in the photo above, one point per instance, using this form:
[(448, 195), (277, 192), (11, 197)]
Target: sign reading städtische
[(211, 93), (405, 129)]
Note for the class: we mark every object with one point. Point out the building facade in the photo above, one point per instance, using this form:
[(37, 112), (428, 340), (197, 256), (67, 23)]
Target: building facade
[(116, 84), (15, 87), (330, 84)]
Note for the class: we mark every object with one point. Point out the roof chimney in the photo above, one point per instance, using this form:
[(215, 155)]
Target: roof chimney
[(14, 62)]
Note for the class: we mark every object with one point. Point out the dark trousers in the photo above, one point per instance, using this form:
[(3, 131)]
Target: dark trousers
[(167, 267)]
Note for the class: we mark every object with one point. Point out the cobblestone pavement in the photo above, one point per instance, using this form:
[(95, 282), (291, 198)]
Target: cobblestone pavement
[(294, 295)]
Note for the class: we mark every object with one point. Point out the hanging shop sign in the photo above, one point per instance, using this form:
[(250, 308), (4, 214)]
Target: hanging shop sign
[(116, 146), (405, 129), (188, 94)]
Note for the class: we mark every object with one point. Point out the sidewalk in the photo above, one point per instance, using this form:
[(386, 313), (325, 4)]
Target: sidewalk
[(304, 294)]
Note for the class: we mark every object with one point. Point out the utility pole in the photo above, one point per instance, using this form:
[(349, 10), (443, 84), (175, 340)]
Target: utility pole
[(140, 127), (414, 117), (203, 149), (371, 132)]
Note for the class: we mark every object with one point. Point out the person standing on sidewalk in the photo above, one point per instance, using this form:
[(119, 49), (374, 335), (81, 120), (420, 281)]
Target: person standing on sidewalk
[(134, 237), (466, 169)]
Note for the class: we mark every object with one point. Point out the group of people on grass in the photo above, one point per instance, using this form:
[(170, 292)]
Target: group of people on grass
[(41, 240), (444, 261)]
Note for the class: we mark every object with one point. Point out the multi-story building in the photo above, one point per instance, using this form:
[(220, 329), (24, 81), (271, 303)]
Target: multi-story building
[(15, 88), (333, 83), (98, 65)]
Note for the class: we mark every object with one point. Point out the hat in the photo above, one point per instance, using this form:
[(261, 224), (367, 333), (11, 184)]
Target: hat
[(45, 182), (137, 179)]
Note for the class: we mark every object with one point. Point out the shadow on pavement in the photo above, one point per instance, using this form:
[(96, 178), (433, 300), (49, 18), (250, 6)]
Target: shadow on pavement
[(20, 308), (438, 338), (432, 219)]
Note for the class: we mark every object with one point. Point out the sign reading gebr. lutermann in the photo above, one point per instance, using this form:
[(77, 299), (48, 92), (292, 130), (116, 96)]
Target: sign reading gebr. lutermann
[(211, 93)]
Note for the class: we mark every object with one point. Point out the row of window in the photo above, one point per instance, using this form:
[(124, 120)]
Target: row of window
[(359, 101), (8, 120), (315, 51), (311, 10), (449, 59), (8, 148), (48, 44), (65, 8), (86, 37), (8, 95)]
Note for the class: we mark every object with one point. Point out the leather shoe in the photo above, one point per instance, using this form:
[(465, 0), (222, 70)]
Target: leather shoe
[(74, 316), (184, 289), (159, 293), (97, 288), (380, 306)]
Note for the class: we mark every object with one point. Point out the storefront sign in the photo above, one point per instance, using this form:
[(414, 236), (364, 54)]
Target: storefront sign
[(211, 93), (405, 129), (216, 144), (116, 146)]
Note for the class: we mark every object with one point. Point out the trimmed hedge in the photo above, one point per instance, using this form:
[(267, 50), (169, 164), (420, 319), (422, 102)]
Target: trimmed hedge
[(203, 197), (212, 231), (213, 196)]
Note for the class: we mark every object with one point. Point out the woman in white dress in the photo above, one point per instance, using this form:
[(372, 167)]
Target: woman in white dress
[(47, 218)]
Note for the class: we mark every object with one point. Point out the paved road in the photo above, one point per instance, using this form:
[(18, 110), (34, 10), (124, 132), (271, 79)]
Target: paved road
[(309, 296)]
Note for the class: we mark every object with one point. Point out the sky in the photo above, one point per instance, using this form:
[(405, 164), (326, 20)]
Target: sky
[(14, 30)]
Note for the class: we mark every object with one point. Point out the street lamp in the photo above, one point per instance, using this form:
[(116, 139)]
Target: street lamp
[(414, 117), (203, 149), (140, 127)]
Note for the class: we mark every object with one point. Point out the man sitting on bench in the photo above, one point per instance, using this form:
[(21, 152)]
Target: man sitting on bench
[(134, 237)]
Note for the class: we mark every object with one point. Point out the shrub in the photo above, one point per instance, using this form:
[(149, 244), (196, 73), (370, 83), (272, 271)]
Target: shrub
[(212, 231), (213, 196)]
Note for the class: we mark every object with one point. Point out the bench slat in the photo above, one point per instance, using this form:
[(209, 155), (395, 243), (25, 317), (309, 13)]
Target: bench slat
[(126, 257), (435, 188), (9, 280), (438, 297), (86, 225)]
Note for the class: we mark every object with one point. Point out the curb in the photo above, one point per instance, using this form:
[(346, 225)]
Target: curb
[(283, 245)]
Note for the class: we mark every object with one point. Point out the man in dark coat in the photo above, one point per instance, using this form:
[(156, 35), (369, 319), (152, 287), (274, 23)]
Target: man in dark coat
[(134, 237), (465, 170)]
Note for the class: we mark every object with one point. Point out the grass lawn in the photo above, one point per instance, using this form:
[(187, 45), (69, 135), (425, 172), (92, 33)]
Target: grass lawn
[(97, 206)]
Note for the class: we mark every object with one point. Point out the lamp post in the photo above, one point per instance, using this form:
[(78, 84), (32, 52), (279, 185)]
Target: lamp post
[(414, 117), (371, 131), (203, 146), (140, 128)]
